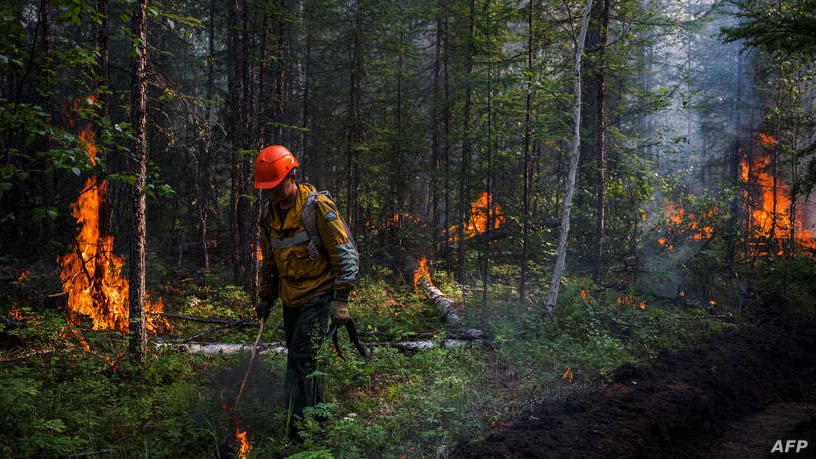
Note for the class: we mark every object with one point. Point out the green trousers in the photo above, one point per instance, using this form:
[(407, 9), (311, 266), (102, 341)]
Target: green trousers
[(306, 327)]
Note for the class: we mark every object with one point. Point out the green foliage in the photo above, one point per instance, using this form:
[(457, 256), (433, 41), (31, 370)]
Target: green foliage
[(593, 330), (787, 27), (791, 277), (392, 404)]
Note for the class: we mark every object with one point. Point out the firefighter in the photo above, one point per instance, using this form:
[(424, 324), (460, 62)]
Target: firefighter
[(310, 262)]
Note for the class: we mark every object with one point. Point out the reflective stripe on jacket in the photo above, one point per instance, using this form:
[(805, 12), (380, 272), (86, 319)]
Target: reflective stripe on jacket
[(287, 269)]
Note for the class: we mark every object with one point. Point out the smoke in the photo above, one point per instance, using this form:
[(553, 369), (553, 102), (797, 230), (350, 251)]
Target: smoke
[(262, 408), (711, 109)]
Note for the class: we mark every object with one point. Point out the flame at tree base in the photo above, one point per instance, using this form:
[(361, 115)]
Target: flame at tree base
[(421, 272), (776, 222), (91, 272)]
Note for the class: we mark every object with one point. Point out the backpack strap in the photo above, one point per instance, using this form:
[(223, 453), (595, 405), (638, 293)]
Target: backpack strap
[(308, 217)]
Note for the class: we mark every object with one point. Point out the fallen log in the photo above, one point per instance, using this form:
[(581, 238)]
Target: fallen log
[(471, 334), (279, 348), (11, 323), (442, 303), (426, 344)]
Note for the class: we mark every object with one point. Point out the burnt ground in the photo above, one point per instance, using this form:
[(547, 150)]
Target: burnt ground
[(732, 395)]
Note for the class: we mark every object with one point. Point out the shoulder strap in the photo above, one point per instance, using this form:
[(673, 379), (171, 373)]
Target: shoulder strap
[(308, 217)]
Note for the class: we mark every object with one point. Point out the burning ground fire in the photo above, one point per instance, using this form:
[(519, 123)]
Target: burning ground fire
[(91, 273), (479, 218), (681, 222), (421, 272), (773, 216), (630, 300), (244, 446)]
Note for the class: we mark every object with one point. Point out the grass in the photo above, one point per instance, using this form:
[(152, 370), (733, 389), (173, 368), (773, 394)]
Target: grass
[(394, 404)]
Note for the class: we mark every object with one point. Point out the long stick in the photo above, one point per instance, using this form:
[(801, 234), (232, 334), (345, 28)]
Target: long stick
[(249, 366)]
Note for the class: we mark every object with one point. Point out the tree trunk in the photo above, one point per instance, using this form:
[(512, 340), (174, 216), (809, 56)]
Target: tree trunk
[(734, 168), (355, 132), (399, 172), (234, 80), (467, 126), (305, 141), (600, 136), (436, 156), (138, 98), (446, 114), (202, 165), (280, 76), (485, 255), (526, 170), (249, 209), (102, 81), (576, 153)]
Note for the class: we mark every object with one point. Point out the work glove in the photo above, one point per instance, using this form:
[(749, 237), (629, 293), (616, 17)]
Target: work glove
[(262, 309), (339, 307)]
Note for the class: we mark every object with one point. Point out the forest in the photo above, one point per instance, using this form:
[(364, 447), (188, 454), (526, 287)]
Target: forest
[(584, 228)]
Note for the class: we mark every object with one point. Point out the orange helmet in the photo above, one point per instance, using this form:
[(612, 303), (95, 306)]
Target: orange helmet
[(272, 165)]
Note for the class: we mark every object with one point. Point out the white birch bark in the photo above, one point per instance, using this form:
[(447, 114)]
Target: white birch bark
[(560, 260)]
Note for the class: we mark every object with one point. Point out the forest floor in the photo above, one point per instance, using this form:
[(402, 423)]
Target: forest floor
[(613, 373), (734, 394)]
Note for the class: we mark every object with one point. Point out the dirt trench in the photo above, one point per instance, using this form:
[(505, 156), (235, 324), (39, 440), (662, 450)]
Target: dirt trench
[(733, 395)]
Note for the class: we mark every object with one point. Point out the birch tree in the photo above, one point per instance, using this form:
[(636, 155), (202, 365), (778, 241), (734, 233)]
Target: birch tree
[(561, 256)]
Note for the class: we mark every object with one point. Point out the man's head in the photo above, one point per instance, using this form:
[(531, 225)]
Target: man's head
[(275, 172)]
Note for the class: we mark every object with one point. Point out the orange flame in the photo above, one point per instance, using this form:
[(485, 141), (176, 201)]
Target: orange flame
[(567, 374), (246, 446), (91, 273), (23, 276), (630, 300), (479, 217), (680, 221), (421, 272), (401, 218), (767, 140), (15, 313), (73, 334), (770, 217)]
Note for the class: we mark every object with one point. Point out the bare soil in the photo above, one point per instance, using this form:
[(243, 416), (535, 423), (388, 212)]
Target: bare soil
[(732, 395)]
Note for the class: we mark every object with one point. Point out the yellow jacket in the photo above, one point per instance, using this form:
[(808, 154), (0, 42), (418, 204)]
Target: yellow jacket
[(288, 270)]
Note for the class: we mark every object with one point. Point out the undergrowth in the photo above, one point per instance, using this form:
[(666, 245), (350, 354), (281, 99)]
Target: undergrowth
[(68, 401)]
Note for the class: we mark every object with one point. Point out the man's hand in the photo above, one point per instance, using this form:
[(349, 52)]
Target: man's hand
[(339, 312), (262, 309)]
